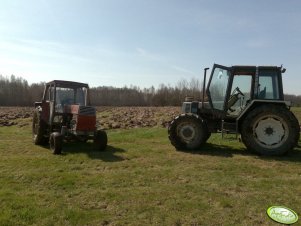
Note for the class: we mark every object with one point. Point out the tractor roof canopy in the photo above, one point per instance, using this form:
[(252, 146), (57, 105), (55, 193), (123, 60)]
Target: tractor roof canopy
[(250, 70), (67, 84)]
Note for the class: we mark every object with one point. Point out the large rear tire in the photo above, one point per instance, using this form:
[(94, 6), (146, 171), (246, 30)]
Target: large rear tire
[(270, 130), (39, 129), (187, 132)]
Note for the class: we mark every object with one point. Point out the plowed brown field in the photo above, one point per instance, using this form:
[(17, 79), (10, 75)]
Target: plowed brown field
[(135, 117), (107, 117), (9, 115)]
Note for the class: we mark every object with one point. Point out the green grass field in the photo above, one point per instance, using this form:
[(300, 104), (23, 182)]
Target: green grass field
[(142, 180)]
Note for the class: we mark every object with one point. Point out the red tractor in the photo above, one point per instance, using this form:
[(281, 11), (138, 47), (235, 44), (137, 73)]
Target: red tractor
[(65, 114)]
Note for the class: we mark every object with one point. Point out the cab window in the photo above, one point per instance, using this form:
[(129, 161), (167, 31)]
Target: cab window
[(268, 87)]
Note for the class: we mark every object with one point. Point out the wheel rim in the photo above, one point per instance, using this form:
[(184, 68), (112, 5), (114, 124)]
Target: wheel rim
[(187, 132), (270, 131)]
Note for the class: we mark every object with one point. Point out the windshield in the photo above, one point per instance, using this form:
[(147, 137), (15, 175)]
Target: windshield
[(68, 96), (218, 87)]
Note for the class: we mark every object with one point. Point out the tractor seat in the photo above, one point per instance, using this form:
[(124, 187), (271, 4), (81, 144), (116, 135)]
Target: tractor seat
[(262, 93)]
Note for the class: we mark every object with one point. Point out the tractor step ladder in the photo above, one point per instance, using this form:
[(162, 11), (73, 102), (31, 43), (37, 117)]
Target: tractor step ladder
[(229, 128)]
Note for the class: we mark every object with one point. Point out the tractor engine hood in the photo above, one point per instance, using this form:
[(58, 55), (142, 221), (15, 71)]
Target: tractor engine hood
[(194, 106), (80, 110), (83, 118)]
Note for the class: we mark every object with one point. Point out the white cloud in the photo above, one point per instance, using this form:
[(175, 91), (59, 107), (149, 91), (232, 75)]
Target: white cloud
[(182, 70), (150, 56), (257, 43), (40, 49)]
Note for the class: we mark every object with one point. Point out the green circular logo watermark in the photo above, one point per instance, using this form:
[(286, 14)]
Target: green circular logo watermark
[(282, 215)]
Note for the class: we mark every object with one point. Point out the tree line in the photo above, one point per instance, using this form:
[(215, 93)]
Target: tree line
[(15, 91)]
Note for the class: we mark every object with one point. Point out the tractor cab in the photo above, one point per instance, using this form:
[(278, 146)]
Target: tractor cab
[(64, 99), (64, 96), (231, 89)]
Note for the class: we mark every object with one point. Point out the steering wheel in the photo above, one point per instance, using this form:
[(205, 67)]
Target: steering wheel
[(67, 101), (234, 97), (237, 90)]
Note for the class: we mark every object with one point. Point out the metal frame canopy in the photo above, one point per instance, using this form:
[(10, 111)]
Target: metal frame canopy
[(67, 84)]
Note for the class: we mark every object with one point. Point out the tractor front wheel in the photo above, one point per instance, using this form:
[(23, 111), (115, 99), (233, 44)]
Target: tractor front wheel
[(56, 143), (100, 140), (188, 132), (270, 130)]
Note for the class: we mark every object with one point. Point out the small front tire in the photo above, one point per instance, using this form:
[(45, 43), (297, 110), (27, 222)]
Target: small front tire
[(101, 140), (56, 143), (188, 132)]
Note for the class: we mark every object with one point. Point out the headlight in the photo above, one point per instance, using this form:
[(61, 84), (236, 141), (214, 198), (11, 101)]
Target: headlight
[(73, 123)]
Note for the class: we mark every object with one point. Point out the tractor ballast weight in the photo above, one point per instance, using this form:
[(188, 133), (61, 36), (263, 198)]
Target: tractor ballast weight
[(65, 114), (245, 100)]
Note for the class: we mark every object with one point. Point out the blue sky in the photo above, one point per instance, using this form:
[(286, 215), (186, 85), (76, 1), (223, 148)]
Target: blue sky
[(146, 42)]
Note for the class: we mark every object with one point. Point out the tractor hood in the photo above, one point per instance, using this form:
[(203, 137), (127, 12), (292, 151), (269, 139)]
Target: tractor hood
[(80, 110)]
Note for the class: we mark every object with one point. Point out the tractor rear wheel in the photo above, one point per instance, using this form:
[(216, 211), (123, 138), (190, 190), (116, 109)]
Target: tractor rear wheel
[(56, 143), (39, 128), (101, 140), (270, 130), (187, 132)]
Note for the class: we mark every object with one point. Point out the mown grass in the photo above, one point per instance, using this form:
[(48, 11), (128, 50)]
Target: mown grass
[(142, 180)]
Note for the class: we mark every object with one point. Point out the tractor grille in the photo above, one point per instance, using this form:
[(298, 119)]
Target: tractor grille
[(87, 110)]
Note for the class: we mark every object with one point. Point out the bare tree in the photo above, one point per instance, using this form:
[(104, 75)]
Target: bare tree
[(15, 91)]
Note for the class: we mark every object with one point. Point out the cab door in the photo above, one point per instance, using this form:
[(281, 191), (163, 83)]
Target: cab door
[(217, 88)]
